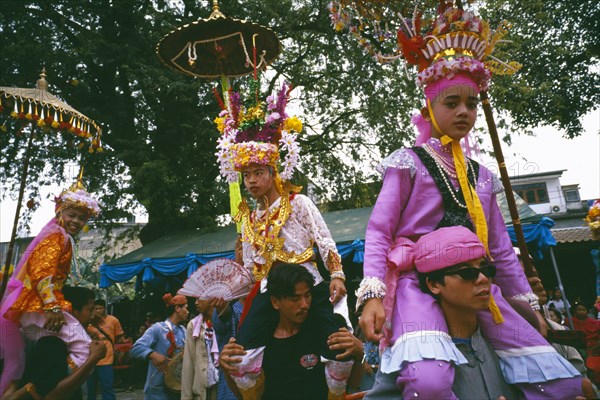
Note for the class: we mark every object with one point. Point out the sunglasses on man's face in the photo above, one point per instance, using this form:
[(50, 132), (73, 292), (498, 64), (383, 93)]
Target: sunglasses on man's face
[(472, 273)]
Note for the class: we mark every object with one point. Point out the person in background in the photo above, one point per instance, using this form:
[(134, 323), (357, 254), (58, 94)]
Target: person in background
[(225, 323), (555, 316), (557, 302), (159, 343), (108, 330), (199, 373), (370, 365), (590, 326), (147, 323)]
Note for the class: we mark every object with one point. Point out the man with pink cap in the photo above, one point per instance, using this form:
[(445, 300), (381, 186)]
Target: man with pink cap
[(453, 270)]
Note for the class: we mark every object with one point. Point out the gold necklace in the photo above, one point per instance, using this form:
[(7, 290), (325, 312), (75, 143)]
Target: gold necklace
[(259, 234)]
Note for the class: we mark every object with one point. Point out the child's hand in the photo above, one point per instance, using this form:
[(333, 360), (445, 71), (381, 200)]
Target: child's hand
[(372, 319), (337, 290)]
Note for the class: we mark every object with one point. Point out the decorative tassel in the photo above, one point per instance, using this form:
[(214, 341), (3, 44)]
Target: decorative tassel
[(235, 198), (470, 194), (471, 198), (495, 310)]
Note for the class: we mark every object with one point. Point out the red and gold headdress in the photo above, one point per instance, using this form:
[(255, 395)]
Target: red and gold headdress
[(256, 135), (456, 41)]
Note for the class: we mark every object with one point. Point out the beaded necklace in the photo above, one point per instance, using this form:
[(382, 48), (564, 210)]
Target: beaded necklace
[(453, 215), (446, 171), (447, 166), (438, 156)]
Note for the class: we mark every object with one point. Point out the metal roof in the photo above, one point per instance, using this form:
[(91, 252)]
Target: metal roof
[(572, 235)]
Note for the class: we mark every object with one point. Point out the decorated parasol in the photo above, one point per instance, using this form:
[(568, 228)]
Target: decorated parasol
[(386, 34), (220, 47), (37, 111)]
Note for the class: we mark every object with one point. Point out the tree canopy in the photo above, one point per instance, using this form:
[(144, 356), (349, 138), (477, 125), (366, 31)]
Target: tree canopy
[(159, 137)]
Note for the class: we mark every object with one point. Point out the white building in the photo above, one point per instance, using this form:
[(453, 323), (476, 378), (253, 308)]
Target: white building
[(545, 195)]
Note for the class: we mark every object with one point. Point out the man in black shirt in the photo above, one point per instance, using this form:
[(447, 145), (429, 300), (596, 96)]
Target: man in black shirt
[(292, 367)]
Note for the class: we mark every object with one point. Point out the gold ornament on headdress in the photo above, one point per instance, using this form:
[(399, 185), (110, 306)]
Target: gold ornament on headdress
[(77, 197)]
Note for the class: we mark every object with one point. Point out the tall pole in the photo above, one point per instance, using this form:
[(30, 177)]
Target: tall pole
[(13, 235), (510, 197), (562, 289)]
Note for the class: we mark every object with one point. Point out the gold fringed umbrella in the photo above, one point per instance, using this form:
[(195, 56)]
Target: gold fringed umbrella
[(41, 108), (35, 110)]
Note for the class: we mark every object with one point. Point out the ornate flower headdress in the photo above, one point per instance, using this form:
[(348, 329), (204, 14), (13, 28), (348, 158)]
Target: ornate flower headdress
[(457, 41), (593, 219), (77, 197), (257, 134)]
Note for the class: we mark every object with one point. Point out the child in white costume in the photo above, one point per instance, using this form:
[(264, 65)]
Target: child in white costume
[(283, 229)]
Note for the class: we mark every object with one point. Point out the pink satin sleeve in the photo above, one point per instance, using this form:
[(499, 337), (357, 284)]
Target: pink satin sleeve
[(383, 224)]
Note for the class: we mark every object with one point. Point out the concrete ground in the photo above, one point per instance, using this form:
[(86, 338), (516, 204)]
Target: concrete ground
[(124, 394), (137, 394)]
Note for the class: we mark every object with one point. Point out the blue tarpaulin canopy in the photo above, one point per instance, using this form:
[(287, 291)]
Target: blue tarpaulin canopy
[(537, 235), (180, 252)]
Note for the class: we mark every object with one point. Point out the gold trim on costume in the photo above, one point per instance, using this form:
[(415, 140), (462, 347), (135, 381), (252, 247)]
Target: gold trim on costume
[(45, 289), (263, 234)]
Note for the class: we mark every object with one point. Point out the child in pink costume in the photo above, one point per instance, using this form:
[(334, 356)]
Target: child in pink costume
[(431, 186), (34, 305)]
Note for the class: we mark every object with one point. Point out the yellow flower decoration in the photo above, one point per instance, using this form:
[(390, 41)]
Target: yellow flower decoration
[(220, 122), (293, 124)]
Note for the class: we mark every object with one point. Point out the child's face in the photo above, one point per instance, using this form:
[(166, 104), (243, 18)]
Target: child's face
[(455, 111), (74, 219), (258, 180)]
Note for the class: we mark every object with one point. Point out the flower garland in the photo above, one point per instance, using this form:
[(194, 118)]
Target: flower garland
[(78, 198), (257, 135), (448, 68), (593, 220)]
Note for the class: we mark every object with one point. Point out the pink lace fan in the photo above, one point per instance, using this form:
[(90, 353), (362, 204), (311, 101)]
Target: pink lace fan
[(218, 278)]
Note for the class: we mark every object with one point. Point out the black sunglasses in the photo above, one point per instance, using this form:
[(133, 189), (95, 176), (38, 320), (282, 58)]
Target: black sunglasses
[(472, 273)]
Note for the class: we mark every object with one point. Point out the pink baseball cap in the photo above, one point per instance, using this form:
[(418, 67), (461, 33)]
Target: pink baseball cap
[(446, 247)]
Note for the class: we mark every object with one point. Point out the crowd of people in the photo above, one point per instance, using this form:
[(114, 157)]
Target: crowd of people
[(445, 309)]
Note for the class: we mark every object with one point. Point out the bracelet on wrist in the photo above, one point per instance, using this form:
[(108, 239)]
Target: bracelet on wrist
[(338, 275), (53, 309), (371, 295)]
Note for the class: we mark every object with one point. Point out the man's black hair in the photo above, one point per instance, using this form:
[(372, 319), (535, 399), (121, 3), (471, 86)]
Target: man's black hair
[(101, 302), (283, 279), (434, 277), (78, 296)]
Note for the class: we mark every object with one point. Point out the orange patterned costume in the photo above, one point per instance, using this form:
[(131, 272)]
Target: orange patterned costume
[(51, 258)]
